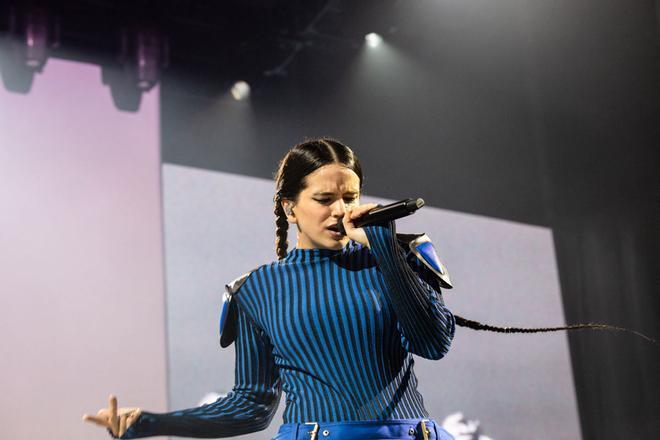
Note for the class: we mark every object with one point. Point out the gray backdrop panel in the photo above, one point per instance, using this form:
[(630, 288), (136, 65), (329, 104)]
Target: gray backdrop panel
[(219, 225)]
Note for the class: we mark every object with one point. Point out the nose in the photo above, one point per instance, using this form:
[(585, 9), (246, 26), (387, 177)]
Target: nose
[(338, 208)]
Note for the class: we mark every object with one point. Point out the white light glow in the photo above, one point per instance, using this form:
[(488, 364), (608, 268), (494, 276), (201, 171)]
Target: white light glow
[(240, 91), (373, 39)]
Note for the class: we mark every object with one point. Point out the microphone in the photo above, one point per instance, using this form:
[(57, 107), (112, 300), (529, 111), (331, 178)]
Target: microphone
[(389, 212)]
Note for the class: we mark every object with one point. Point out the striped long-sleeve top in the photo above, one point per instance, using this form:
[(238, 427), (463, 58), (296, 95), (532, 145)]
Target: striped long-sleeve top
[(335, 330)]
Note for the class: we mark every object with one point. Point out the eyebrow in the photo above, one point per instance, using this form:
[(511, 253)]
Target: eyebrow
[(326, 193)]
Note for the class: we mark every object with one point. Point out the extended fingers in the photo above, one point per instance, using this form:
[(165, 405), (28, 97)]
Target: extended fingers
[(100, 420), (118, 421), (112, 410)]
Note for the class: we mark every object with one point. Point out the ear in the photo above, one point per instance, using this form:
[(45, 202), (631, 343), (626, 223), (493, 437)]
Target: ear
[(288, 206)]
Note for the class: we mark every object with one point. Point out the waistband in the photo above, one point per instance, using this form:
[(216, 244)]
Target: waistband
[(409, 429)]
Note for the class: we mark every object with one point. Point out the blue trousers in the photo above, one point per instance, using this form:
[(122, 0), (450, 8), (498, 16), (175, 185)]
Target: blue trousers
[(398, 429)]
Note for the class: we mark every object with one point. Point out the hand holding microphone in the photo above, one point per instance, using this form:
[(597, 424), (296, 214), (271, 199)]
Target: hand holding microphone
[(378, 214), (372, 213)]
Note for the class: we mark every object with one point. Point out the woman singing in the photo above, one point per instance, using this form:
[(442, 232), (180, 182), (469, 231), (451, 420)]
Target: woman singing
[(334, 323)]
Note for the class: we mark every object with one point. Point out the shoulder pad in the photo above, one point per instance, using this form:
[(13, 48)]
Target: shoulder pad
[(422, 247), (227, 325)]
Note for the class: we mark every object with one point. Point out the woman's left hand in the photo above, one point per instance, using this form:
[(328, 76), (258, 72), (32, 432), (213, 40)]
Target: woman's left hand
[(352, 214), (116, 420)]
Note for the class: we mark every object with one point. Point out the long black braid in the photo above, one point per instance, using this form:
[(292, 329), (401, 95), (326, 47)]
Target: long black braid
[(475, 325), (282, 227)]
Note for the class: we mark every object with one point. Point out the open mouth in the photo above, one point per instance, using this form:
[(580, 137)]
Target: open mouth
[(334, 228)]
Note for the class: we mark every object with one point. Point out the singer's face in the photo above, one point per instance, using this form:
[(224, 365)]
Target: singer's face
[(329, 191)]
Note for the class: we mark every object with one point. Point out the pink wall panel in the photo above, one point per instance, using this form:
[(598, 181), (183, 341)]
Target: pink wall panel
[(81, 266)]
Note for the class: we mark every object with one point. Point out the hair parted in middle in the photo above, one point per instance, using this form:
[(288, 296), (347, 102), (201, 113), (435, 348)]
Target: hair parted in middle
[(300, 161)]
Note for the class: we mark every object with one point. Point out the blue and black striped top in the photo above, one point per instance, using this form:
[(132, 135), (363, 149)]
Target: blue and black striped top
[(336, 331)]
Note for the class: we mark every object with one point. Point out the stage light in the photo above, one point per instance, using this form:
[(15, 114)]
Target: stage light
[(149, 57), (143, 54), (36, 39), (240, 91), (26, 38), (373, 39)]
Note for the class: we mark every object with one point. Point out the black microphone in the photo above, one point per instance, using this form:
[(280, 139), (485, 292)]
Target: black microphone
[(392, 211)]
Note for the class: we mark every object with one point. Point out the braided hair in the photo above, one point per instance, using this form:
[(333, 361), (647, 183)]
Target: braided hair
[(300, 161), (475, 325)]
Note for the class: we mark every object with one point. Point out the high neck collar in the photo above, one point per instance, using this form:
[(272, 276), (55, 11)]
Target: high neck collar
[(296, 254)]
